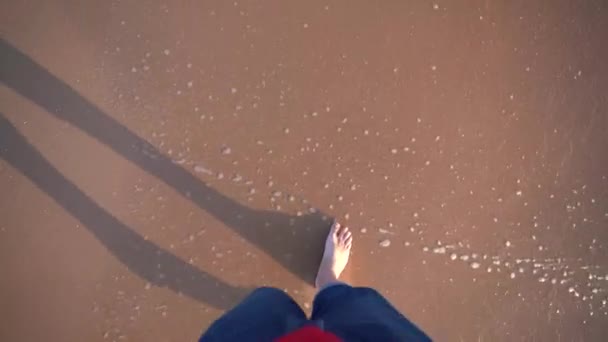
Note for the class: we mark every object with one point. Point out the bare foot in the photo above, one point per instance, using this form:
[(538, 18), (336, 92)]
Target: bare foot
[(335, 257)]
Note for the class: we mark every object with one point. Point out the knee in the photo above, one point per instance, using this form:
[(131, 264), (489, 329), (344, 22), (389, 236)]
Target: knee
[(267, 291), (369, 292)]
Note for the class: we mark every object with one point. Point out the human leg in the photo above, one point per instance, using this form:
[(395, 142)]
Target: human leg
[(265, 314), (360, 313), (355, 313), (335, 256)]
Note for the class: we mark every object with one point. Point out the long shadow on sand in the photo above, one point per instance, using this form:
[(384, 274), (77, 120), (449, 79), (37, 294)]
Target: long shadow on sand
[(143, 257), (296, 242)]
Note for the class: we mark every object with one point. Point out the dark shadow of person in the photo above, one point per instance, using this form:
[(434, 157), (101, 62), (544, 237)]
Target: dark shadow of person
[(143, 257), (296, 242)]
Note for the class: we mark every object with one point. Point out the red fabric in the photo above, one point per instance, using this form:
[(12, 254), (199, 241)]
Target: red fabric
[(309, 333)]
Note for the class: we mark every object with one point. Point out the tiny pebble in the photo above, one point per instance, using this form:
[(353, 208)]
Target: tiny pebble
[(202, 169), (439, 250), (385, 243), (226, 150)]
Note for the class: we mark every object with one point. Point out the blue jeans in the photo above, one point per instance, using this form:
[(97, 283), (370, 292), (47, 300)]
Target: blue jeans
[(351, 313)]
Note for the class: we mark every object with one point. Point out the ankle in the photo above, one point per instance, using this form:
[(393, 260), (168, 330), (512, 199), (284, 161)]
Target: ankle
[(326, 277)]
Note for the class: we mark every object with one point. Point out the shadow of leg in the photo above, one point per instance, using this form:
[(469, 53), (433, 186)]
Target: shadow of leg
[(295, 242), (142, 257)]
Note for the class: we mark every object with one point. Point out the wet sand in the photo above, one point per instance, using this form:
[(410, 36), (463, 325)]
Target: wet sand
[(159, 161)]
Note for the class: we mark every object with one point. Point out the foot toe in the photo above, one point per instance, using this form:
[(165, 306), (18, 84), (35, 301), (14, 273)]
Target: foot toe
[(348, 235), (334, 231), (344, 234)]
